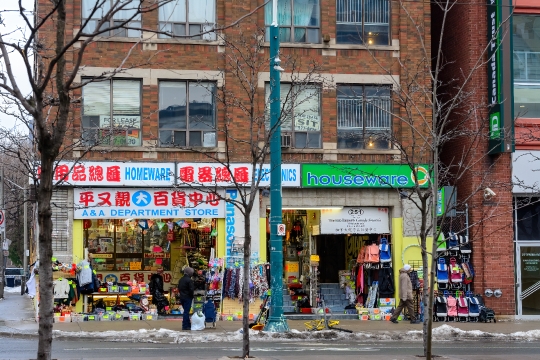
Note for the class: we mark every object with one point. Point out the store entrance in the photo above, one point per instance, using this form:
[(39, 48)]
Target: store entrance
[(528, 277), (331, 250)]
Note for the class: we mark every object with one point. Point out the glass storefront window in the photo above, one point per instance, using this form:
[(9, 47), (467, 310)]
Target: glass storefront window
[(526, 38), (116, 244)]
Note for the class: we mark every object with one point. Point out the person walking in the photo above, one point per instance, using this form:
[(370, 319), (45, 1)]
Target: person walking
[(186, 289), (405, 295)]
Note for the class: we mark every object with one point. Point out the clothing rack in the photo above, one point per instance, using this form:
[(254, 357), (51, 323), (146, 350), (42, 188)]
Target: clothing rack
[(417, 293)]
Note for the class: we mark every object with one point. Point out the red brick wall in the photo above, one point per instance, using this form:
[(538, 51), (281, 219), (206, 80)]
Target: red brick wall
[(206, 57), (471, 170)]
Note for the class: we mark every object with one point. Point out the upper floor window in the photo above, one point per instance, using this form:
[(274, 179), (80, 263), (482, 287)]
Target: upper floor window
[(187, 113), (301, 115), (363, 22), (95, 10), (364, 117), (299, 20), (188, 17), (122, 100), (526, 39)]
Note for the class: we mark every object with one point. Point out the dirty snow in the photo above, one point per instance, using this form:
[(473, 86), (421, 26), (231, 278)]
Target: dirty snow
[(441, 333)]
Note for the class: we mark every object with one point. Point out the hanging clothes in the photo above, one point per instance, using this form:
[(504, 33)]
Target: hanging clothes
[(61, 289)]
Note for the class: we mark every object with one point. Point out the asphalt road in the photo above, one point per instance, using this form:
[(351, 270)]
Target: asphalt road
[(13, 348)]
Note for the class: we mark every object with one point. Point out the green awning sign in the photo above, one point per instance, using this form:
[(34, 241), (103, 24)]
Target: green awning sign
[(363, 176)]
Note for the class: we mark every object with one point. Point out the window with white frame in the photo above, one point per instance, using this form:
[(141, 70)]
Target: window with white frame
[(188, 17), (526, 44), (364, 117), (300, 115), (187, 114), (363, 22), (299, 20), (125, 12), (122, 100)]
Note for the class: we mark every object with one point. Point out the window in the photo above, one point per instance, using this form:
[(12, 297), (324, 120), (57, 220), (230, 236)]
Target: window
[(128, 11), (364, 117), (363, 22), (299, 21), (122, 99), (188, 17), (526, 37), (301, 114), (187, 113)]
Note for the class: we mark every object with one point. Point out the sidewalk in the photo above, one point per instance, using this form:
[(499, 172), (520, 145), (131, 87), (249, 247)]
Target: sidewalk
[(17, 319)]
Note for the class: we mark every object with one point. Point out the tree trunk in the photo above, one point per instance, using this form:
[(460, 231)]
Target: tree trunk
[(245, 289), (45, 256)]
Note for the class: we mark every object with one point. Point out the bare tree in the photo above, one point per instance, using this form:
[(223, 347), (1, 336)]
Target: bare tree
[(434, 111)]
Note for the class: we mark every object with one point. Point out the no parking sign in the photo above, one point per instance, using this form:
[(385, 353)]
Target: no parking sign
[(2, 221)]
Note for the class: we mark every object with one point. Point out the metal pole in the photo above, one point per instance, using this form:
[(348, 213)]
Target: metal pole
[(276, 321), (2, 258), (25, 241)]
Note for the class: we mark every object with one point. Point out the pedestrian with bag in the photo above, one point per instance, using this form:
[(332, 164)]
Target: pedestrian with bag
[(186, 289), (405, 295)]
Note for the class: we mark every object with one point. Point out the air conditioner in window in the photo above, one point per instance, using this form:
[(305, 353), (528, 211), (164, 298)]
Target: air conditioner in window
[(286, 140)]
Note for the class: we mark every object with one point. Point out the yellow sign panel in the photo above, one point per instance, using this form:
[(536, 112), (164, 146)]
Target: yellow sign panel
[(135, 265), (101, 256), (314, 258)]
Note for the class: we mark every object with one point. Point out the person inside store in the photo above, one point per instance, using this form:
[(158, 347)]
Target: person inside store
[(405, 296), (185, 290), (156, 290)]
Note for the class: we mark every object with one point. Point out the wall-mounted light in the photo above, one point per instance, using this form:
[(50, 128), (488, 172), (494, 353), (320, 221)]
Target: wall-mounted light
[(488, 292), (370, 142), (497, 293)]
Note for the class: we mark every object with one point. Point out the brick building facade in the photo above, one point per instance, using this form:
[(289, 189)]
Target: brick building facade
[(364, 52)]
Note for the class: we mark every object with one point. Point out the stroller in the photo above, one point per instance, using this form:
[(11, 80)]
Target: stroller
[(486, 314), (441, 310), (210, 313)]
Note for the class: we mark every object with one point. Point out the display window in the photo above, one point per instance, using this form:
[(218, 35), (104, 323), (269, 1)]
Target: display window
[(117, 244)]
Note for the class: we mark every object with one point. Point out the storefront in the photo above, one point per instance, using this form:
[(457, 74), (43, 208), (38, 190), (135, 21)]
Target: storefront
[(527, 233)]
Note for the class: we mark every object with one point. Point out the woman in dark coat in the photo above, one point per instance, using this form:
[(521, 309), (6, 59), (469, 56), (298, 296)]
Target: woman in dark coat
[(185, 290)]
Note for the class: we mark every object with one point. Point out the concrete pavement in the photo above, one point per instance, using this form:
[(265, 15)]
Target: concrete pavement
[(17, 318)]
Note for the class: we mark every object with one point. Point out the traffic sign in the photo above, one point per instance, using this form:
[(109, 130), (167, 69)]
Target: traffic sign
[(2, 221), (281, 229)]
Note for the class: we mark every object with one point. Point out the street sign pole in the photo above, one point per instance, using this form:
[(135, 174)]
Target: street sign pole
[(276, 321)]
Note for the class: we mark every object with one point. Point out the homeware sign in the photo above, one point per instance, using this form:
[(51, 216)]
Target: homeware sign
[(355, 220)]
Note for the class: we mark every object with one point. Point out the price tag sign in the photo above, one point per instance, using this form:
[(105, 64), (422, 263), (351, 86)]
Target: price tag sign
[(281, 229)]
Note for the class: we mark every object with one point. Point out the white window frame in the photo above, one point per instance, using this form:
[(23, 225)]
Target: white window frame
[(208, 138), (175, 18), (96, 132), (119, 17)]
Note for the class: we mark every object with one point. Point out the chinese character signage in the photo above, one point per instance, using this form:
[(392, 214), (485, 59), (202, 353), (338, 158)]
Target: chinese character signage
[(136, 174), (208, 174), (113, 173), (363, 176), (355, 220), (141, 203)]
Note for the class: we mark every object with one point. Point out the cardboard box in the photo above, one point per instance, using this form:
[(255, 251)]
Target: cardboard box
[(376, 317), (386, 309), (363, 317), (387, 302), (374, 311)]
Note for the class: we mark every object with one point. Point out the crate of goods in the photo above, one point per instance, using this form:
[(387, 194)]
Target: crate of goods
[(92, 317), (227, 317), (134, 316), (113, 288), (124, 289), (62, 318), (105, 317), (363, 317), (78, 317), (386, 309), (150, 317), (142, 287), (376, 317), (387, 302), (386, 316)]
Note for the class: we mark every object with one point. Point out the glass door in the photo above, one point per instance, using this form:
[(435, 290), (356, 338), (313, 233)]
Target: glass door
[(528, 276)]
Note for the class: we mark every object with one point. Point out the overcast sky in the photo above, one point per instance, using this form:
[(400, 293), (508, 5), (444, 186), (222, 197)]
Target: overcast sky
[(10, 22)]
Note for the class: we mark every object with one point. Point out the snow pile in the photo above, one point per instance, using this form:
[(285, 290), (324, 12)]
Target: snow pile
[(442, 333)]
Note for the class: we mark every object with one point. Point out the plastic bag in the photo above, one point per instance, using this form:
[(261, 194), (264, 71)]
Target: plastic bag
[(197, 321)]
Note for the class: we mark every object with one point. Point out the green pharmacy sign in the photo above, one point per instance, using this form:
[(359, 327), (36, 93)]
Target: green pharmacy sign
[(363, 176)]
